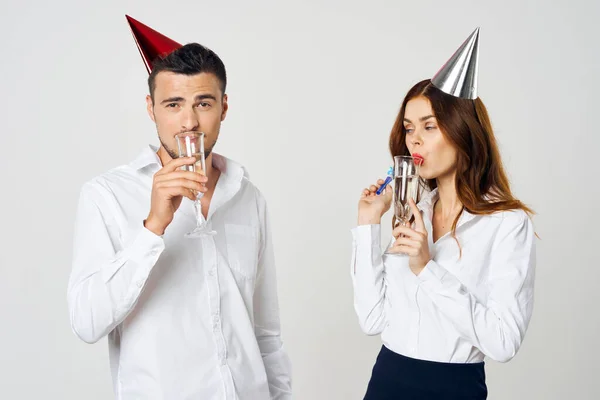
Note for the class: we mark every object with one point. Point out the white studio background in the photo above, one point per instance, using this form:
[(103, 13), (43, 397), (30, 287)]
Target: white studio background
[(314, 90)]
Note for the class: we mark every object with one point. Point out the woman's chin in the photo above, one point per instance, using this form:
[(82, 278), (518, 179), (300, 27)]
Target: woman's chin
[(424, 174)]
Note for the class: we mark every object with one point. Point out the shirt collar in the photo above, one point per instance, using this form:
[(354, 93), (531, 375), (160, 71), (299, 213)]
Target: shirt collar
[(230, 170), (146, 158), (229, 183), (428, 201)]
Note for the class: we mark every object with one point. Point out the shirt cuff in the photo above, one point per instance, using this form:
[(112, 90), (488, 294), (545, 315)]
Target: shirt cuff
[(367, 235), (144, 250), (432, 273), (141, 256), (146, 243)]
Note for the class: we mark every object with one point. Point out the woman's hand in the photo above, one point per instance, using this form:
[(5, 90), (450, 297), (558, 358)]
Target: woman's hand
[(372, 206), (413, 242)]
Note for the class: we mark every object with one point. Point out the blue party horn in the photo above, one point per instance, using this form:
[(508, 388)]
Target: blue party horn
[(387, 181)]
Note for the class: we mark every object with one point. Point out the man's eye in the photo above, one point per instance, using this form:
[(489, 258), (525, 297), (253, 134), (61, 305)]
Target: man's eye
[(172, 105)]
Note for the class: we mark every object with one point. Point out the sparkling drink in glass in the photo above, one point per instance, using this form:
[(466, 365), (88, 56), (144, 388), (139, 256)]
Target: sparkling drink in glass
[(191, 144), (406, 186)]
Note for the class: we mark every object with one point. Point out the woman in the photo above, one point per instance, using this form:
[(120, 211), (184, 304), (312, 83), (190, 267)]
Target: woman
[(460, 286)]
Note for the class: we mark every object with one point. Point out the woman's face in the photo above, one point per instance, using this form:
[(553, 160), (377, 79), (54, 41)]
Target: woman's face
[(425, 139)]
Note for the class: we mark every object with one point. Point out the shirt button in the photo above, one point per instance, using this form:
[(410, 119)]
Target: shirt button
[(140, 282), (211, 272)]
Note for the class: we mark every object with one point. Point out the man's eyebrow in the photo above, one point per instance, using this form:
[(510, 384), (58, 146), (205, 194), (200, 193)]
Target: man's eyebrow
[(205, 96), (172, 100)]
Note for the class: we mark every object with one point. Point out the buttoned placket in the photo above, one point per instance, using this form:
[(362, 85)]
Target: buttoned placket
[(210, 260), (428, 222)]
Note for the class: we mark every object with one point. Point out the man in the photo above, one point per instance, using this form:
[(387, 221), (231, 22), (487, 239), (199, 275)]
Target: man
[(185, 318)]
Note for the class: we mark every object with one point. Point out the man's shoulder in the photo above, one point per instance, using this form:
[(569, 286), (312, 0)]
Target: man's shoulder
[(109, 181), (254, 193), (246, 182), (250, 185)]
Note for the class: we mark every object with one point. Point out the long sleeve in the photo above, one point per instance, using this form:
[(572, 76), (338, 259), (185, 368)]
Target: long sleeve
[(498, 327), (368, 278), (266, 316), (107, 277)]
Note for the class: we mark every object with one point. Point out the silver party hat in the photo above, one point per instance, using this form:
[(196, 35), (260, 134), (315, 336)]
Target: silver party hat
[(458, 77)]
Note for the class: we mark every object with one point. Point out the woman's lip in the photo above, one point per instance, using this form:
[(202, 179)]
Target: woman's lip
[(419, 157)]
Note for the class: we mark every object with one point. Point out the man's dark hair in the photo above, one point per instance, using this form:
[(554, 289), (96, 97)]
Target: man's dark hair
[(191, 59)]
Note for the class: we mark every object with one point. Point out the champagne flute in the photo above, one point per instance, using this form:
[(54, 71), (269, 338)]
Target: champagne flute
[(191, 144), (406, 186)]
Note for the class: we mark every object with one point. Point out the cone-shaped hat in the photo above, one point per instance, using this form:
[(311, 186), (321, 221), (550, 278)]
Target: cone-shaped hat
[(458, 77), (150, 43)]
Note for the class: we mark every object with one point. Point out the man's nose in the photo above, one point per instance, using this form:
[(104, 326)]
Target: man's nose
[(189, 120)]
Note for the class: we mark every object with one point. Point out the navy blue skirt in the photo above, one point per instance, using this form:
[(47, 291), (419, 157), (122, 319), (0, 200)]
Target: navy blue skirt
[(399, 377)]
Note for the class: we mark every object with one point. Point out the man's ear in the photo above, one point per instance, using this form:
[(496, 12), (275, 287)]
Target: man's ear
[(225, 108), (150, 107)]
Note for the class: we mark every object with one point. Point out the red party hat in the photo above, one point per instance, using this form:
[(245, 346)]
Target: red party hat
[(150, 43)]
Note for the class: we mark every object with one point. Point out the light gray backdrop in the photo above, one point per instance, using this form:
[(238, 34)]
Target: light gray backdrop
[(314, 89)]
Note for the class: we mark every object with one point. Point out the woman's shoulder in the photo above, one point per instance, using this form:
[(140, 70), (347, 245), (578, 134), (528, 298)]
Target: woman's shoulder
[(512, 216), (516, 222)]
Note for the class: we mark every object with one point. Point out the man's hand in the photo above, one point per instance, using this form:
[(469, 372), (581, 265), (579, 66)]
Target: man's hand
[(169, 187)]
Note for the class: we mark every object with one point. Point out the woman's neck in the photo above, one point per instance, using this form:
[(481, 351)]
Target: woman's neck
[(448, 204)]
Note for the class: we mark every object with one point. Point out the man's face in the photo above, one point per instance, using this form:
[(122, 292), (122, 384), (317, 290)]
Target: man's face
[(187, 103)]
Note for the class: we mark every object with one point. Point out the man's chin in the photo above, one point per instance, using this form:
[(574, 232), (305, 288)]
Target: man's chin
[(209, 151)]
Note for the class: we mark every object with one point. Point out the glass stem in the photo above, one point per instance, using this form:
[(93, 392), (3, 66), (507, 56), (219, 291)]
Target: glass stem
[(198, 207), (401, 222)]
